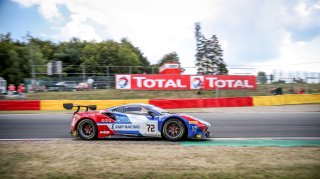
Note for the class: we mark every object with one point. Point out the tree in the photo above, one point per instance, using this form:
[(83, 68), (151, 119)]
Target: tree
[(36, 59), (19, 59), (90, 58), (143, 60), (209, 56), (217, 56), (170, 57), (46, 47), (14, 67), (262, 77), (70, 54), (222, 67), (128, 58), (110, 53)]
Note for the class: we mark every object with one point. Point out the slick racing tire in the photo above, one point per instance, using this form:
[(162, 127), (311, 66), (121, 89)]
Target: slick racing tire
[(174, 130), (87, 129)]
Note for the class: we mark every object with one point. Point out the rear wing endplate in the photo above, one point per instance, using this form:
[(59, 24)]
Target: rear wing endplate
[(69, 106)]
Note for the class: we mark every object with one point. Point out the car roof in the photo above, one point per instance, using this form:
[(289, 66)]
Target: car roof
[(133, 104)]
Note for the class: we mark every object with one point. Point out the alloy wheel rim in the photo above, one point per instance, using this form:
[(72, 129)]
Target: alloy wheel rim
[(87, 129), (173, 129)]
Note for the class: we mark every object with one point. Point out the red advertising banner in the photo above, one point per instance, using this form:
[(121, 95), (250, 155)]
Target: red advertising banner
[(184, 82)]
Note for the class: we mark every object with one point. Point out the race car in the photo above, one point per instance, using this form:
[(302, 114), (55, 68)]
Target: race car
[(143, 120)]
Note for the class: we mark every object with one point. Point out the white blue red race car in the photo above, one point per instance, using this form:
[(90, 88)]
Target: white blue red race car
[(135, 120)]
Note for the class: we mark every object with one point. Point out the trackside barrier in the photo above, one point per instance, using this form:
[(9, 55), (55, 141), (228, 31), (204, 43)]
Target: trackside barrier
[(6, 105), (286, 99), (101, 104), (202, 103)]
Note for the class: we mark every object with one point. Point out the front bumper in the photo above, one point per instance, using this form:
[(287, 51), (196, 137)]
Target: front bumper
[(74, 133), (202, 136)]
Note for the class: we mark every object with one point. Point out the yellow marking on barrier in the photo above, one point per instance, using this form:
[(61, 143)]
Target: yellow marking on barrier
[(286, 99), (101, 104)]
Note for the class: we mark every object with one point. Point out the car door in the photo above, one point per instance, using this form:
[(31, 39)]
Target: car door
[(145, 124), (123, 125)]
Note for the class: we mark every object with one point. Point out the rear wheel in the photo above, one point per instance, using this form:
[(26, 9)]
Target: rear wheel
[(173, 129), (87, 129)]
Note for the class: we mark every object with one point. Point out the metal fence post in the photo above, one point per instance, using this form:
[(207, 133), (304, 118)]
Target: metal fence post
[(217, 92), (33, 71), (108, 73), (130, 69), (84, 73)]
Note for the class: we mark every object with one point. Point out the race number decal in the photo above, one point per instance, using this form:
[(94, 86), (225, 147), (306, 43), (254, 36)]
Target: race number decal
[(151, 127)]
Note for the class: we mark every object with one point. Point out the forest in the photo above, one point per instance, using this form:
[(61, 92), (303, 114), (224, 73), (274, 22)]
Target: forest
[(18, 57)]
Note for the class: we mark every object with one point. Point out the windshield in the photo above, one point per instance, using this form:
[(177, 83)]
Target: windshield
[(160, 110)]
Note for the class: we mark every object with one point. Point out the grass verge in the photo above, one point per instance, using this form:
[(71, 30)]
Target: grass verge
[(140, 159)]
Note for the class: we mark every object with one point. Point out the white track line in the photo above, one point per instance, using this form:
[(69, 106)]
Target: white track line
[(37, 139), (269, 138), (213, 139)]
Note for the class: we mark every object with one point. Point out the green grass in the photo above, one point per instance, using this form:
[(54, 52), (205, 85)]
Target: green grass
[(254, 143), (109, 159)]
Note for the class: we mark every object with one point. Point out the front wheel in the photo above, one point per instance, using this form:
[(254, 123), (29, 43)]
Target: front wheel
[(87, 129), (173, 130)]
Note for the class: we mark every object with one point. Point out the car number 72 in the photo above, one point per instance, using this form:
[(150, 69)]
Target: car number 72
[(151, 127)]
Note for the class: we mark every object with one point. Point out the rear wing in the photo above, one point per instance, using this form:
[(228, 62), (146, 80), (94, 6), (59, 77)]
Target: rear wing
[(69, 106)]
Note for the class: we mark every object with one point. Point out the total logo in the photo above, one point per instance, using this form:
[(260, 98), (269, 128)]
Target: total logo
[(123, 82), (196, 82)]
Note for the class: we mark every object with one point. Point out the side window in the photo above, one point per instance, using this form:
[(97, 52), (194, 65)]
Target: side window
[(110, 115), (119, 109)]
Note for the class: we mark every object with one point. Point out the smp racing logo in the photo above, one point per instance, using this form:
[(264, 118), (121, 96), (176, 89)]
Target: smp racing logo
[(123, 82), (196, 82)]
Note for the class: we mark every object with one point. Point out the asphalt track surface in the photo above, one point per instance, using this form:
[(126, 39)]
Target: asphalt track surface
[(223, 125)]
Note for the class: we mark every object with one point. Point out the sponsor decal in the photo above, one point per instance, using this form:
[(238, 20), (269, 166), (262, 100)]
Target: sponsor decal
[(73, 122), (123, 82), (231, 83), (124, 126), (104, 132), (122, 119), (158, 83), (196, 82), (157, 134), (106, 120), (193, 122), (184, 82), (194, 128)]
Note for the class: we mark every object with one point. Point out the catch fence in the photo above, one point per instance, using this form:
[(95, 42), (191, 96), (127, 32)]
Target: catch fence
[(71, 76)]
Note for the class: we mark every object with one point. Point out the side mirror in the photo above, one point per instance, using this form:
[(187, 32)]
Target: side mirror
[(151, 113)]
